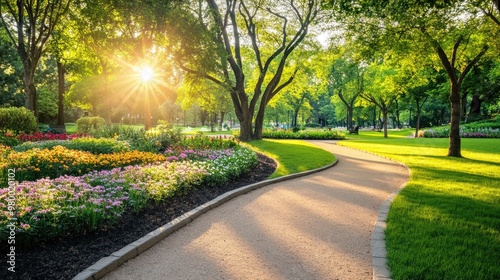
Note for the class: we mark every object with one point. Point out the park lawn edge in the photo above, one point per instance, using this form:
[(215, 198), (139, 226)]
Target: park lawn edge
[(284, 152), (445, 224)]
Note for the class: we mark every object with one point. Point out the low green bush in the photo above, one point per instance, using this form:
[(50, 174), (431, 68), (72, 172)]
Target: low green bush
[(17, 120), (483, 124), (304, 134), (92, 145), (163, 136), (202, 142), (85, 124)]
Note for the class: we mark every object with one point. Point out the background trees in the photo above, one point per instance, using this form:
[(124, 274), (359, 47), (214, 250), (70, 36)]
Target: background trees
[(29, 25), (451, 29), (403, 63)]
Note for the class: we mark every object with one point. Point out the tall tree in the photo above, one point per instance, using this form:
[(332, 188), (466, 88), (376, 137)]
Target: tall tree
[(346, 80), (29, 25), (272, 31), (382, 88), (450, 28)]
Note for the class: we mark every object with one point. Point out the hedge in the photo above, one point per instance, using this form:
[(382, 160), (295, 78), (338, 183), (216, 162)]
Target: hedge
[(17, 120)]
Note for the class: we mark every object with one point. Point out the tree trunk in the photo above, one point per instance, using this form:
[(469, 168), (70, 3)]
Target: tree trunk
[(60, 105), (295, 117), (349, 117), (385, 112), (398, 119), (463, 114), (475, 106), (454, 149), (30, 91), (246, 129), (222, 114), (419, 111), (203, 117), (374, 119)]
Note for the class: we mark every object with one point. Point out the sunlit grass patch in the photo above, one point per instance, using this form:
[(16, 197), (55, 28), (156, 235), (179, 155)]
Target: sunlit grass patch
[(445, 224), (293, 155), (372, 134)]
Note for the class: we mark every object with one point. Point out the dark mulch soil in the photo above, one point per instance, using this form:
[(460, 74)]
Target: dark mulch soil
[(64, 259)]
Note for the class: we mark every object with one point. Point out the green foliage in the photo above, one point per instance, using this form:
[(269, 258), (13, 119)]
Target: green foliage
[(85, 124), (8, 139), (92, 145), (163, 136), (201, 142), (304, 134), (493, 124), (17, 120)]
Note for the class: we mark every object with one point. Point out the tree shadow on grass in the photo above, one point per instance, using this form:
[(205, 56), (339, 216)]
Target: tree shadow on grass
[(444, 235)]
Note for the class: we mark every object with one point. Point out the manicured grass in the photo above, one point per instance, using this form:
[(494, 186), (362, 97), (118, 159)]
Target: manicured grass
[(292, 155), (445, 224), (391, 133), (70, 128), (205, 130)]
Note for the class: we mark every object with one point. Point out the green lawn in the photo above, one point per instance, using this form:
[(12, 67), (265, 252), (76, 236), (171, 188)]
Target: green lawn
[(391, 133), (288, 153), (445, 224), (70, 128), (205, 130)]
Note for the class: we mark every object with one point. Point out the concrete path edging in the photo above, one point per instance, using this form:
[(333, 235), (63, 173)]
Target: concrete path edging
[(381, 269), (116, 259)]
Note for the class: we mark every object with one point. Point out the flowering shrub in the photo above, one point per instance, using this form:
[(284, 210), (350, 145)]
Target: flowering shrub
[(464, 133), (303, 134), (198, 155), (41, 136), (35, 163), (9, 139), (73, 205), (201, 142), (93, 145)]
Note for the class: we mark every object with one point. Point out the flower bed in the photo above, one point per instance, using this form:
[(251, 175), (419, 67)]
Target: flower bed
[(464, 133), (75, 205), (35, 163), (42, 136)]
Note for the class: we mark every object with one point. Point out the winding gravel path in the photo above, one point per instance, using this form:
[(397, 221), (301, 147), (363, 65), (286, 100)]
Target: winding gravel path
[(314, 227)]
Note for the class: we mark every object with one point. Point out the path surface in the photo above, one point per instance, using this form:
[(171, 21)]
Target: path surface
[(313, 227)]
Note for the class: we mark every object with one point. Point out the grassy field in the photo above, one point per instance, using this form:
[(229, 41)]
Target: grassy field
[(445, 224), (287, 153)]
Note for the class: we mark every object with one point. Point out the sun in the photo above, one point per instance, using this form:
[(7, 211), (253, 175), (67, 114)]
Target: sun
[(147, 73)]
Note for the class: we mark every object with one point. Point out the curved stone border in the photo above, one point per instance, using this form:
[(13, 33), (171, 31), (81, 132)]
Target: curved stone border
[(379, 252), (116, 259)]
